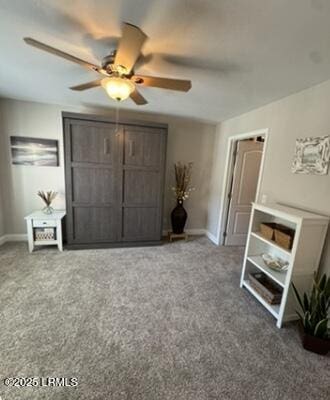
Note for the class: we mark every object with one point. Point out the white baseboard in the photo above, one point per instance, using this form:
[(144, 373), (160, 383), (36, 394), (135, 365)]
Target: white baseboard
[(196, 232), (291, 317), (211, 237), (19, 237), (2, 240), (22, 237)]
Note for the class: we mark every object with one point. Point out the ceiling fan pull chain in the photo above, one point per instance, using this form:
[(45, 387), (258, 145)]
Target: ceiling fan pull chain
[(117, 120)]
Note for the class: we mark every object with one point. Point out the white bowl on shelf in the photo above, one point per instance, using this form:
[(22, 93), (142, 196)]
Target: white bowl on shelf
[(275, 263)]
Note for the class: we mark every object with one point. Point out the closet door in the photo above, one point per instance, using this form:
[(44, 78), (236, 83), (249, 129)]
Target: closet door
[(92, 186), (143, 181)]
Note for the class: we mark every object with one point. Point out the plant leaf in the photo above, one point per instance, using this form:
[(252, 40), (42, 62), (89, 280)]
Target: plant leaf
[(323, 282), (307, 323), (300, 316), (307, 305), (327, 288), (321, 328)]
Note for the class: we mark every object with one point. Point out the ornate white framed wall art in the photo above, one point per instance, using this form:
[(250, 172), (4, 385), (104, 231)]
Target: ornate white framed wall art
[(312, 156)]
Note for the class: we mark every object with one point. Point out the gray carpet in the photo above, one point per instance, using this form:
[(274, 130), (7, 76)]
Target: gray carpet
[(167, 323)]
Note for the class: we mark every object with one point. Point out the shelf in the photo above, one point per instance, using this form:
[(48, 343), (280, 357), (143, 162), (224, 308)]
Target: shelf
[(278, 277), (259, 236), (303, 258), (44, 242), (273, 309), (295, 215)]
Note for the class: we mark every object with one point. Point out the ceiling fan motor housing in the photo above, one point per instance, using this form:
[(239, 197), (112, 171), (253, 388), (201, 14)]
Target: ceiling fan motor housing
[(108, 62)]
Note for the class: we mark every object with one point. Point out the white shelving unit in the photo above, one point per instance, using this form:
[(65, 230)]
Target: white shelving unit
[(303, 258)]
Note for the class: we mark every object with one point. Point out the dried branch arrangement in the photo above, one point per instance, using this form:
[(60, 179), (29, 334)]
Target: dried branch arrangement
[(182, 179), (47, 197)]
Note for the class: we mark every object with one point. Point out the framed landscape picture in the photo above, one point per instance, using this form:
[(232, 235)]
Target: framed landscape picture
[(312, 156), (34, 151)]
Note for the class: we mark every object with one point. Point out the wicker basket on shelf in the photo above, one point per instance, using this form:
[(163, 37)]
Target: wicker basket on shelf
[(44, 234), (267, 230), (284, 236), (264, 286)]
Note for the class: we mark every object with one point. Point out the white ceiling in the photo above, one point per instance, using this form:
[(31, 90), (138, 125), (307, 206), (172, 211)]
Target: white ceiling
[(246, 53)]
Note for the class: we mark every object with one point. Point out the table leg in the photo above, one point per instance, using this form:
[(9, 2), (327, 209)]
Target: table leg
[(59, 235), (30, 235)]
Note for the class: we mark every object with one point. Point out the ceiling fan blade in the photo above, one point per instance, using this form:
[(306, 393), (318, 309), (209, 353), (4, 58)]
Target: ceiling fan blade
[(130, 46), (163, 83), (56, 52), (88, 85), (138, 99), (197, 63), (143, 60)]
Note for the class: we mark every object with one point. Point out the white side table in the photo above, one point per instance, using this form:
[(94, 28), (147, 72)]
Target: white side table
[(39, 219)]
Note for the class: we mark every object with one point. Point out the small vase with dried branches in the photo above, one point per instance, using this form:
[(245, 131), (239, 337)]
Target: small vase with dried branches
[(47, 198), (182, 179), (182, 191)]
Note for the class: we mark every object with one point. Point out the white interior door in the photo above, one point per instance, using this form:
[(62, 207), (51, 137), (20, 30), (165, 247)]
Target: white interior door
[(243, 191)]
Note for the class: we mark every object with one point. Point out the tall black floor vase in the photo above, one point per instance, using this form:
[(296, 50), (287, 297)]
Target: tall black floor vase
[(178, 218)]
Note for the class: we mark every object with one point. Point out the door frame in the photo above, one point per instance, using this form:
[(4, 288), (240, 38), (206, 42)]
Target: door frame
[(229, 169)]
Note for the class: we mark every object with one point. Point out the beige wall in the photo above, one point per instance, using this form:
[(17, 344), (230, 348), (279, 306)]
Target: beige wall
[(188, 140), (300, 115)]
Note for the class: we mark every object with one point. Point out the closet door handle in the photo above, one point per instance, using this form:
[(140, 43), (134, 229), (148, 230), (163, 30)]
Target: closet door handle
[(106, 146), (131, 148)]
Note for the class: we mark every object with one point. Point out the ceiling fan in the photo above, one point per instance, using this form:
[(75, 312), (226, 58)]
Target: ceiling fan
[(119, 79)]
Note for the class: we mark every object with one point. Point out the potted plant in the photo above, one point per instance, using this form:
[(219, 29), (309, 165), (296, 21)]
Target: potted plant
[(181, 191), (47, 198), (314, 317)]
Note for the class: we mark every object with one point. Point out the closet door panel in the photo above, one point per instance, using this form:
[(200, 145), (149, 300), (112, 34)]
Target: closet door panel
[(143, 173), (95, 224), (103, 181), (152, 149), (140, 223), (133, 148), (141, 187), (142, 148), (92, 144), (93, 193)]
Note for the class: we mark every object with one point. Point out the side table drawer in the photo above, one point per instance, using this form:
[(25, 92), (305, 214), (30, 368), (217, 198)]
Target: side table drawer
[(39, 223)]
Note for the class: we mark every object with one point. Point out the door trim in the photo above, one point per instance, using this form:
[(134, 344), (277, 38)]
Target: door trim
[(229, 165)]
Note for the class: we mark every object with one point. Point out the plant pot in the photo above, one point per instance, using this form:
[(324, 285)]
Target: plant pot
[(315, 344), (178, 218)]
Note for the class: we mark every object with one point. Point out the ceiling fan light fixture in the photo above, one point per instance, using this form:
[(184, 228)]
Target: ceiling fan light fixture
[(118, 88)]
